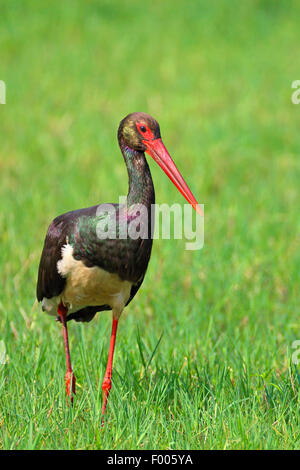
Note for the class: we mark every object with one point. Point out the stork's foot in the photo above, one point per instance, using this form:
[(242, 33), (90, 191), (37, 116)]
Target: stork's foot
[(106, 386), (70, 381)]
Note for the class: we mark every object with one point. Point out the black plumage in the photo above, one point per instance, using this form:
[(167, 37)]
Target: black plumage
[(126, 257)]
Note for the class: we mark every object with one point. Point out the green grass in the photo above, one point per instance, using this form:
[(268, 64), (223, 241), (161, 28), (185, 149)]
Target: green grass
[(217, 75)]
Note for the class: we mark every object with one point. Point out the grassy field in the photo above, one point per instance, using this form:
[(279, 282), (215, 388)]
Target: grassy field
[(217, 76)]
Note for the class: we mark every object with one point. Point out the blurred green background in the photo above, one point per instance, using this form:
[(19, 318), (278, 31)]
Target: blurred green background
[(217, 76)]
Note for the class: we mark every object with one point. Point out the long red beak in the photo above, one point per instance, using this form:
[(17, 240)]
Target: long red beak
[(157, 150)]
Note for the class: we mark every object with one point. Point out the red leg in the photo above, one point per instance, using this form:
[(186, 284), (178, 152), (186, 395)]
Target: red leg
[(69, 377), (106, 384)]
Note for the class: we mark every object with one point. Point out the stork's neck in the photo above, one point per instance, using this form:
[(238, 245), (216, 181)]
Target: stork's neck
[(141, 190)]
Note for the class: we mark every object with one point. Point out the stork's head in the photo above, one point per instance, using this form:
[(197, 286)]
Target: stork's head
[(141, 132)]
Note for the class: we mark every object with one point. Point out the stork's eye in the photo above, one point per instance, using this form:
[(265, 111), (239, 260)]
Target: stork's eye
[(145, 131)]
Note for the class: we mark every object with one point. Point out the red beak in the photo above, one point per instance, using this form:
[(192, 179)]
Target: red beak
[(157, 150)]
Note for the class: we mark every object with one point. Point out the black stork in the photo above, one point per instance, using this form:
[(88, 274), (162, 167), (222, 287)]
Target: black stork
[(81, 273)]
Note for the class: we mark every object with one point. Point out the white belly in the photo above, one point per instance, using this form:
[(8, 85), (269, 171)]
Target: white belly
[(87, 286)]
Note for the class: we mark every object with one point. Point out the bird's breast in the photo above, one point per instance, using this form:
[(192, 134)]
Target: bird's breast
[(90, 286)]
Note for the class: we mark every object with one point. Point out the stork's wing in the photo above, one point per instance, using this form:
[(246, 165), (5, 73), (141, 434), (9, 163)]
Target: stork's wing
[(50, 282), (127, 257)]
